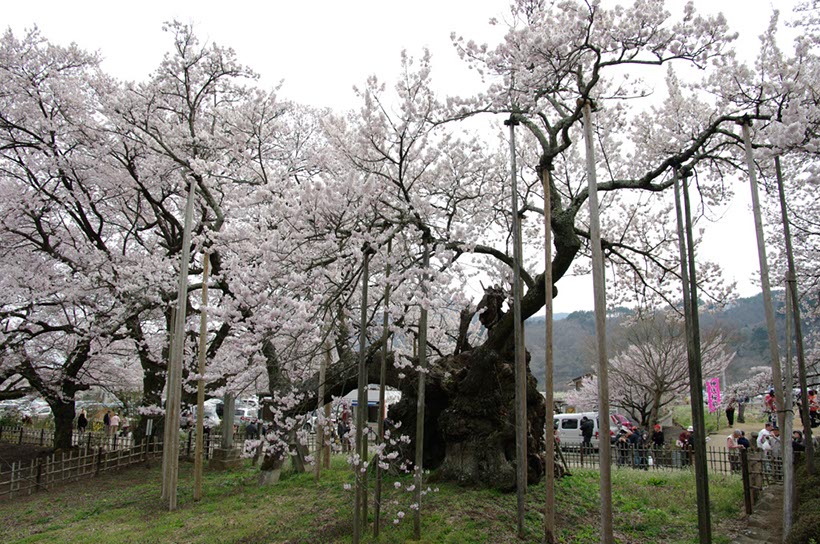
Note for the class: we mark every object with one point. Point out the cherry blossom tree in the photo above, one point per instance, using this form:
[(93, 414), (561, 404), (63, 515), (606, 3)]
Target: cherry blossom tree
[(649, 369)]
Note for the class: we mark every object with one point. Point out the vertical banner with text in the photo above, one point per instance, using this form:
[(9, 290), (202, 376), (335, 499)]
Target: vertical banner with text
[(713, 393)]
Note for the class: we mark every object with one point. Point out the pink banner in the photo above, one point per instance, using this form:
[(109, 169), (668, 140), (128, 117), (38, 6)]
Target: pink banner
[(713, 394)]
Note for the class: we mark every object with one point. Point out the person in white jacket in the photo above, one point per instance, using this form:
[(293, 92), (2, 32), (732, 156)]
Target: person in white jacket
[(763, 437)]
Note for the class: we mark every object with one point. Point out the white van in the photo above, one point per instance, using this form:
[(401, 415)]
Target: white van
[(568, 427)]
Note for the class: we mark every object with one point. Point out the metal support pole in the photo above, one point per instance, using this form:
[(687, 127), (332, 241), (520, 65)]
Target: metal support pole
[(599, 287), (690, 308), (422, 355), (174, 383), (549, 434), (798, 326), (520, 354), (200, 383)]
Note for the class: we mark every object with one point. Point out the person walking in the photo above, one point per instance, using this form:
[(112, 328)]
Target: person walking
[(730, 412), (107, 423), (82, 424), (587, 429), (115, 423)]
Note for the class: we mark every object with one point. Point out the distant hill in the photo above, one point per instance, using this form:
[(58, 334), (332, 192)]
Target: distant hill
[(574, 333)]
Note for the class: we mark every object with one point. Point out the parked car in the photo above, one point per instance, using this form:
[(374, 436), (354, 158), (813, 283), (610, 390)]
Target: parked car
[(188, 418), (568, 427), (244, 414)]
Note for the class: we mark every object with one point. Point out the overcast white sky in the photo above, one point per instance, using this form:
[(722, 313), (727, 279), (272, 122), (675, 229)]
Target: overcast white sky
[(322, 48)]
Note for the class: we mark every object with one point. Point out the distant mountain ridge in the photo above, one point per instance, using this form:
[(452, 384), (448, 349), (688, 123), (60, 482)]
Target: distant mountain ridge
[(574, 333)]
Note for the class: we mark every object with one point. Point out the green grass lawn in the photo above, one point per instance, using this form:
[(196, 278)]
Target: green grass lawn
[(649, 507)]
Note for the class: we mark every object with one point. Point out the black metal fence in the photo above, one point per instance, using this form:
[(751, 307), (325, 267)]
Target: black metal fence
[(718, 460)]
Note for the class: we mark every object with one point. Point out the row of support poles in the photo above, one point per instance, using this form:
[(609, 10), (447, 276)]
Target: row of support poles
[(549, 434), (422, 358), (200, 383), (520, 355), (690, 309), (768, 307), (783, 395), (599, 287), (360, 508), (791, 280), (377, 498), (170, 451)]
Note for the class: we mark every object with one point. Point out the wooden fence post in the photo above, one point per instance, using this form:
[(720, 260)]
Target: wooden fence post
[(20, 441), (39, 472), (99, 460), (747, 483)]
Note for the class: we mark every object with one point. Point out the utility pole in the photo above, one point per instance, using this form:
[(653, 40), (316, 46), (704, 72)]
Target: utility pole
[(200, 383), (520, 355), (170, 451), (549, 434), (690, 310), (599, 287)]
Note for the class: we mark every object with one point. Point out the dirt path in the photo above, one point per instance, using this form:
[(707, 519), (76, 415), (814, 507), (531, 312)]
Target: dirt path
[(765, 525)]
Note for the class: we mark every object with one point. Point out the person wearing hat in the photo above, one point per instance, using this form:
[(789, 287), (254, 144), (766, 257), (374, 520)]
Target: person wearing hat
[(769, 406)]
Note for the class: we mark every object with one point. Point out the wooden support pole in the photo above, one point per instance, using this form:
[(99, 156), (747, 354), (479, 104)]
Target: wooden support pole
[(599, 286), (520, 355), (174, 381), (798, 325), (422, 380), (320, 402), (786, 432), (327, 411), (377, 495), (549, 435), (690, 310), (361, 409), (747, 481), (200, 383)]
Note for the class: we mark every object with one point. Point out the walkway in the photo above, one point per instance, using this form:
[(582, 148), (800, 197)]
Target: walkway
[(765, 525)]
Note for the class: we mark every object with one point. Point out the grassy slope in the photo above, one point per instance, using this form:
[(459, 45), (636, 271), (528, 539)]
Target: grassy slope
[(125, 507)]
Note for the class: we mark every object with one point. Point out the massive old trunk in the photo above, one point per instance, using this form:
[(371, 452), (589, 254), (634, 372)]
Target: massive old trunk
[(469, 415), (470, 420)]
